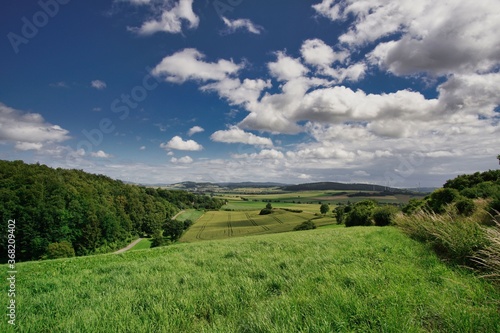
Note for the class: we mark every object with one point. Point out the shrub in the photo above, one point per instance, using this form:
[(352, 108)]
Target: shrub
[(383, 216), (413, 206), (442, 197), (465, 207), (306, 225), (187, 223), (62, 249), (265, 211), (324, 208), (361, 214)]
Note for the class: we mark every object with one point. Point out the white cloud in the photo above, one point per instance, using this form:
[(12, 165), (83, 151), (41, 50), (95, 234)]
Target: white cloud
[(315, 52), (195, 129), (188, 65), (100, 154), (142, 148), (182, 160), (170, 18), (233, 25), (29, 131), (98, 84), (425, 36), (237, 92), (286, 68), (178, 144), (265, 154), (237, 135)]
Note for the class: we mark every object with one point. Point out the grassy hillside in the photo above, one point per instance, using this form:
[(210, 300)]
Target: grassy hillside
[(326, 280)]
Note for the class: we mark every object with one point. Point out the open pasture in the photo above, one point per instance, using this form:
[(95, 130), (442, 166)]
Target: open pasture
[(227, 224)]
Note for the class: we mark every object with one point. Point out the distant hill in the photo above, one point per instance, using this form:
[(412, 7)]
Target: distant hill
[(333, 186)]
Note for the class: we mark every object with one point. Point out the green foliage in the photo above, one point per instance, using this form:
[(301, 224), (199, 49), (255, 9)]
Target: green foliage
[(269, 206), (483, 190), (173, 229), (266, 211), (442, 197), (92, 212), (187, 223), (361, 214), (306, 225), (341, 212), (465, 207), (468, 181), (384, 215), (62, 249), (413, 206), (324, 208)]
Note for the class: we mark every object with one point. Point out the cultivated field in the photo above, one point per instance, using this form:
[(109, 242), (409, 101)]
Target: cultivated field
[(227, 224), (328, 280)]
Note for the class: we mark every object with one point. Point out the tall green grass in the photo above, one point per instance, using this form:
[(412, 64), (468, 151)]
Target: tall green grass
[(324, 280)]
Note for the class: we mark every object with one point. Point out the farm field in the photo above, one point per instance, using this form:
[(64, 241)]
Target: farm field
[(227, 224), (143, 244), (328, 280), (190, 214), (285, 199)]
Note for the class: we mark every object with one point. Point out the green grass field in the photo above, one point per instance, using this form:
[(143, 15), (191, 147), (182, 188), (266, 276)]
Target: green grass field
[(143, 244), (324, 280), (227, 224), (190, 214)]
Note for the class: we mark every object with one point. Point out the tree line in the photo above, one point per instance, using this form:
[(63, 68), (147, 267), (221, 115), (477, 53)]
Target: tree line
[(71, 211)]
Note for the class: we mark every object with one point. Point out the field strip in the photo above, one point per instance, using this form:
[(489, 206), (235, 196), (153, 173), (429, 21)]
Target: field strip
[(229, 226), (255, 223), (198, 235), (277, 219)]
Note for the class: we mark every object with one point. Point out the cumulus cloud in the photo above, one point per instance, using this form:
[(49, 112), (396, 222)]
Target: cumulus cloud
[(425, 36), (265, 154), (169, 17), (318, 53), (195, 129), (182, 160), (100, 154), (238, 92), (98, 84), (286, 68), (233, 25), (29, 131), (237, 135), (188, 64), (177, 143)]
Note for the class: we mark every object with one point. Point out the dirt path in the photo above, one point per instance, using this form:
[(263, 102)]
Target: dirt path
[(128, 247)]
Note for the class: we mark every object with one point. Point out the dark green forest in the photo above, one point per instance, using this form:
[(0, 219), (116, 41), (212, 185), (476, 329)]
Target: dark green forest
[(81, 213)]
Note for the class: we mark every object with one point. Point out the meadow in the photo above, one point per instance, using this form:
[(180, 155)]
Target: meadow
[(227, 224), (325, 280)]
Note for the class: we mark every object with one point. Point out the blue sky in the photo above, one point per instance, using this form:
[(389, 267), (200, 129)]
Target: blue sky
[(161, 91)]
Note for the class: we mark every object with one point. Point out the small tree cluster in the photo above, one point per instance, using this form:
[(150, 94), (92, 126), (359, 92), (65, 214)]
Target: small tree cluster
[(306, 225), (268, 210)]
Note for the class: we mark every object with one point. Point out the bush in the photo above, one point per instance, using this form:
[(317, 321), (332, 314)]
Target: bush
[(465, 207), (187, 223), (307, 225), (62, 249), (265, 211), (413, 206), (360, 214), (442, 197), (383, 216)]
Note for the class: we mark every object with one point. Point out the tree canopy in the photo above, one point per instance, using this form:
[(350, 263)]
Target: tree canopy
[(86, 212)]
